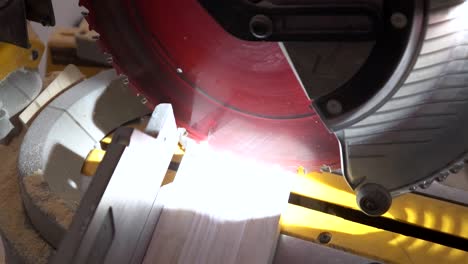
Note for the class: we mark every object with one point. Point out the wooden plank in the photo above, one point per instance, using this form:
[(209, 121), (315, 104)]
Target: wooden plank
[(66, 79), (213, 215)]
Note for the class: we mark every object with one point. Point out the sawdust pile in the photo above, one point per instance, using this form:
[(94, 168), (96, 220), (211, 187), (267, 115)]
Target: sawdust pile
[(50, 204), (14, 225)]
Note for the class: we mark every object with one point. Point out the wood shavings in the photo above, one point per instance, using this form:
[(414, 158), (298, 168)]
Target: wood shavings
[(52, 205), (14, 224)]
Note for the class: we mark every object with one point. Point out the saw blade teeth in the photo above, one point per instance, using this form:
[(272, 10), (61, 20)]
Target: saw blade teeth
[(457, 168), (106, 51), (119, 70), (125, 80)]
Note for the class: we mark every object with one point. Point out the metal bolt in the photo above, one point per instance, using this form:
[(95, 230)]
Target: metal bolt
[(334, 107), (261, 26), (324, 238), (399, 20), (179, 71), (34, 55)]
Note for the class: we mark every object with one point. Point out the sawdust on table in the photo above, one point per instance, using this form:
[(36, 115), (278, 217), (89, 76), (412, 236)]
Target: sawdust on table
[(52, 205), (14, 224)]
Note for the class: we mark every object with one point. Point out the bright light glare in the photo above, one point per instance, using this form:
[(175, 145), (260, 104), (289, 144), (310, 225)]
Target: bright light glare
[(456, 19), (228, 187), (72, 184)]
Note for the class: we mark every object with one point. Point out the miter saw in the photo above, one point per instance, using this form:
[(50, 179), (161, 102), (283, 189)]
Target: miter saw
[(373, 90), (386, 77)]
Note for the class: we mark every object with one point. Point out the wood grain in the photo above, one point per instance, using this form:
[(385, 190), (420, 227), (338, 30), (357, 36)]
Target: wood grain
[(219, 209)]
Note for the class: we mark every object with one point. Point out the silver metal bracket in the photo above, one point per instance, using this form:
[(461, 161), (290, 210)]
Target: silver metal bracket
[(123, 191)]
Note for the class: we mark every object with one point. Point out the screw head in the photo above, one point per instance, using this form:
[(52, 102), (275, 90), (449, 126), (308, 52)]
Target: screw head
[(399, 20), (324, 238), (261, 26), (334, 107)]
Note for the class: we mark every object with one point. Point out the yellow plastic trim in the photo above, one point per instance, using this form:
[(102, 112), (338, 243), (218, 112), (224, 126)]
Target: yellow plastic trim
[(92, 162), (13, 57), (410, 208), (364, 240)]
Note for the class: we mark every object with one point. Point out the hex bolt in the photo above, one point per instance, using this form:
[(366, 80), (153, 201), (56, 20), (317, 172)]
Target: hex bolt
[(261, 26), (324, 238), (399, 20), (334, 107)]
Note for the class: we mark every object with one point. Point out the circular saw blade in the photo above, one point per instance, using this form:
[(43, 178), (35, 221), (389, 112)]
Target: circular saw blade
[(239, 96)]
